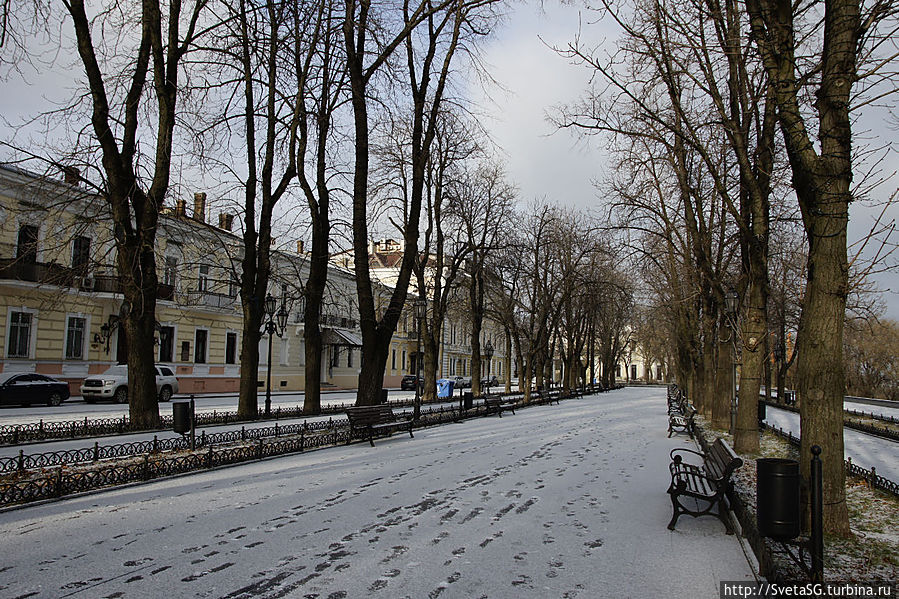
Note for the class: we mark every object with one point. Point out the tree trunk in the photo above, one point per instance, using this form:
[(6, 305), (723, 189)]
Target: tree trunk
[(753, 333), (820, 363), (248, 398), (723, 384), (143, 404)]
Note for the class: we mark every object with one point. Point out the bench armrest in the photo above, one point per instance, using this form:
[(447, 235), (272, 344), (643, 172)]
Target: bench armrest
[(679, 479), (675, 457)]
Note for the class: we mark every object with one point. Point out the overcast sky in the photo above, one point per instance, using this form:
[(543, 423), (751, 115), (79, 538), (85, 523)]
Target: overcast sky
[(562, 167), (542, 162)]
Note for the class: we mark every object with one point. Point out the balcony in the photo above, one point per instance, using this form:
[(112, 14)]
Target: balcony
[(210, 299), (63, 276), (37, 272)]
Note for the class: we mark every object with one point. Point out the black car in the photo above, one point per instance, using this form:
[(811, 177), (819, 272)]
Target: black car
[(408, 382), (25, 388), (490, 381)]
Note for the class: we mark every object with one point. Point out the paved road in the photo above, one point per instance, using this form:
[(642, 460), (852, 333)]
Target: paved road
[(864, 449), (554, 501)]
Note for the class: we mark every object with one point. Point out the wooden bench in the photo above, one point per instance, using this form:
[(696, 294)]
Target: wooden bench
[(497, 406), (706, 482), (371, 419), (681, 422)]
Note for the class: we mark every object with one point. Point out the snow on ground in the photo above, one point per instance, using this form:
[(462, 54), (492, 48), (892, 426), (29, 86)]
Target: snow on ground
[(865, 450), (871, 409), (553, 501)]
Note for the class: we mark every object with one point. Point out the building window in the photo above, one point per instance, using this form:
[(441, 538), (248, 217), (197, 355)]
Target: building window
[(200, 339), (185, 351), (230, 348), (170, 271), (335, 355), (19, 327), (393, 359), (166, 344), (203, 278), (233, 286), (81, 255), (26, 248), (633, 372), (75, 326), (403, 362), (617, 371), (349, 357)]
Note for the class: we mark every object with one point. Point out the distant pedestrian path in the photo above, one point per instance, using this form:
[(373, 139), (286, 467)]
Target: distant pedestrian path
[(554, 501)]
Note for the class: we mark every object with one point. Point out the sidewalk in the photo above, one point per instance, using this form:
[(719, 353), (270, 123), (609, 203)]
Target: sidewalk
[(553, 501)]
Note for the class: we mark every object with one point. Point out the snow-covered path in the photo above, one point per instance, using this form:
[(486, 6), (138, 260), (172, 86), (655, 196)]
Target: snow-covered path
[(553, 501)]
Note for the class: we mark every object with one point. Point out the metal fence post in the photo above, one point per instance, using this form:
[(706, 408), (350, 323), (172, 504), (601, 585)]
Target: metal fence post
[(817, 532)]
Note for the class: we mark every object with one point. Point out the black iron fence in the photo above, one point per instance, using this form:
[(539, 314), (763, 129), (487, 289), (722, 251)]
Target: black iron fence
[(17, 434), (98, 452), (56, 474), (864, 427), (870, 476)]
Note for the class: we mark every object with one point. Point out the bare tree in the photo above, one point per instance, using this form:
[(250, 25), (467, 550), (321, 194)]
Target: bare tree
[(428, 61), (133, 103), (483, 202), (810, 54)]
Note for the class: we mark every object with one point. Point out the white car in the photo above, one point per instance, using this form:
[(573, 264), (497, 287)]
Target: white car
[(113, 384)]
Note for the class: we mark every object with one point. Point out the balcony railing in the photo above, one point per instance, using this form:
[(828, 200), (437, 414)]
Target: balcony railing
[(211, 299), (64, 276)]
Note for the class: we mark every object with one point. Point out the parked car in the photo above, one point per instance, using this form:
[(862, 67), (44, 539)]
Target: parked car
[(408, 382), (490, 381), (113, 384), (461, 382), (24, 388)]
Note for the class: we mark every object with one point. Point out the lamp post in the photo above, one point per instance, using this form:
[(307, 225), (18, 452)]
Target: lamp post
[(731, 302), (421, 313), (488, 352), (274, 325)]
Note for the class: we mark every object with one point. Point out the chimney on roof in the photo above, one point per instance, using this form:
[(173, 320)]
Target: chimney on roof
[(225, 221), (200, 206), (71, 175), (180, 207), (300, 246)]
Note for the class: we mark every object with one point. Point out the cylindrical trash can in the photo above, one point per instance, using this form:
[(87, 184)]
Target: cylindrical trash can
[(467, 400), (383, 396), (181, 416), (777, 498), (762, 411)]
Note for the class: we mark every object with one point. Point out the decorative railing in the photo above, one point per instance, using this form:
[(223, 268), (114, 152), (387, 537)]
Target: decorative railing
[(56, 474), (64, 276), (870, 476)]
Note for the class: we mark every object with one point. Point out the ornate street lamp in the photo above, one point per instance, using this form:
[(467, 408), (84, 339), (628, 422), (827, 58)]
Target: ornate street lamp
[(488, 352), (274, 325), (421, 313)]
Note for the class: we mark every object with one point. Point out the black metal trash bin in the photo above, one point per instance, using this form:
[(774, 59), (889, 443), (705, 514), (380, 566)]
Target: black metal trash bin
[(762, 411), (777, 498), (181, 416), (467, 400), (384, 396)]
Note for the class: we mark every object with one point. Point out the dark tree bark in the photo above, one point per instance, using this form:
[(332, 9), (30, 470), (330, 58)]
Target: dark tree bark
[(822, 181), (134, 207)]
